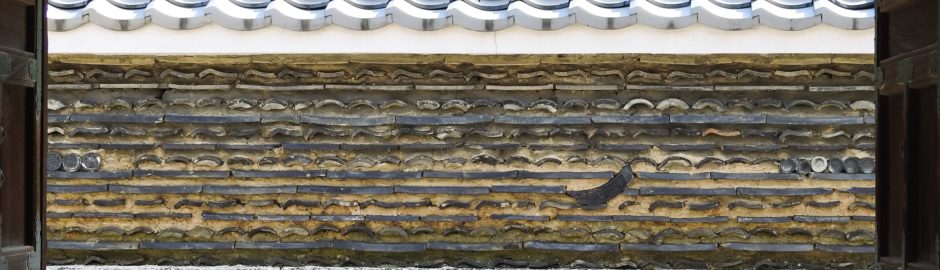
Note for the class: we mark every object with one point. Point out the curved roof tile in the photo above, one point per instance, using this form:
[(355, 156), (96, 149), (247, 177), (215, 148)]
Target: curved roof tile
[(308, 4), (294, 16), (477, 15), (68, 4)]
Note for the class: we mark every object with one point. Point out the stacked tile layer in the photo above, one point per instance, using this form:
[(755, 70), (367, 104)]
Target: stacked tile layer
[(477, 15), (731, 160)]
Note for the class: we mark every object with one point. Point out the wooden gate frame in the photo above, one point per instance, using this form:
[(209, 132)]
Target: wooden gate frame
[(21, 68), (902, 75)]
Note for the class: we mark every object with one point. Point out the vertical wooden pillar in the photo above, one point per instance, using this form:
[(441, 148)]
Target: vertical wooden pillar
[(22, 133), (908, 153)]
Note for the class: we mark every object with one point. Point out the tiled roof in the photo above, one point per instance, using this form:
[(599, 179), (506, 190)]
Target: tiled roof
[(478, 15)]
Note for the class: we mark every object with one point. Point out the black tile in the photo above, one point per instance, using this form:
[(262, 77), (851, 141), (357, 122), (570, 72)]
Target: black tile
[(73, 146), (717, 119), (754, 176), (673, 176), (860, 190), (687, 147), (527, 189), (219, 216), (69, 202), (630, 119), (639, 218), (558, 147), (844, 176), (182, 174), (101, 215), (687, 191), (126, 146), (211, 119), (371, 146), (214, 189), (310, 146), (283, 217), (518, 217), (817, 147), (469, 175), (187, 245), (669, 247), (783, 191), (301, 203), (542, 120), (750, 147), (90, 175), (541, 245), (604, 193), (443, 120), (153, 202), (76, 188), (582, 218), (428, 146), (109, 202), (155, 189), (58, 215), (441, 190), (436, 218), (373, 175), (188, 202), (279, 174), (347, 121), (280, 118), (57, 118), (162, 215), (565, 175), (188, 146), (113, 118), (247, 146), (704, 206), (493, 146), (337, 218), (379, 247), (96, 245), (283, 245), (846, 249), (391, 218), (435, 245), (623, 147), (803, 120), (716, 219), (377, 190), (764, 219), (768, 247), (821, 219)]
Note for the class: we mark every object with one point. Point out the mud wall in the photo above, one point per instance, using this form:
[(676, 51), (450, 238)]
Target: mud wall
[(737, 160)]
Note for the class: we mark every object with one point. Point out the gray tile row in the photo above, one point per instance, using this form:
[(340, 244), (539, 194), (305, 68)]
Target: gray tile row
[(744, 148), (739, 191), (436, 245), (514, 174), (460, 120), (420, 87), (374, 190), (458, 190), (459, 218), (748, 176)]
